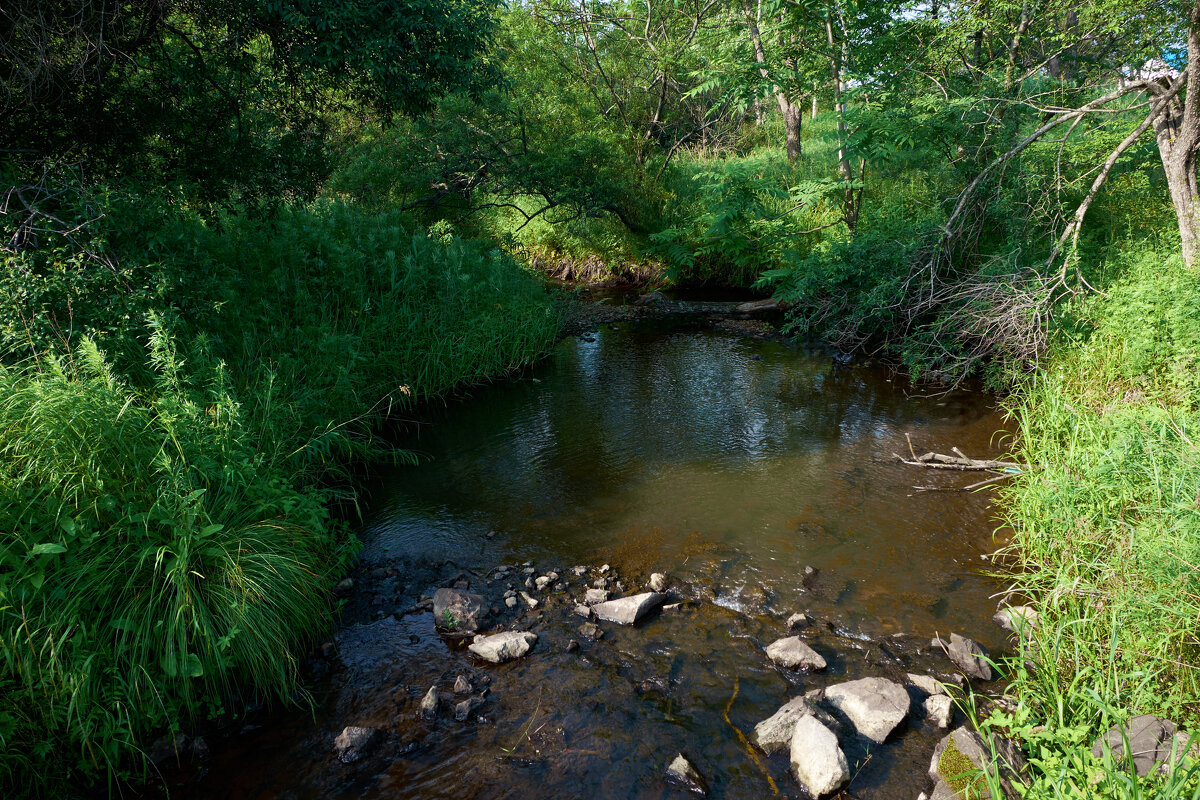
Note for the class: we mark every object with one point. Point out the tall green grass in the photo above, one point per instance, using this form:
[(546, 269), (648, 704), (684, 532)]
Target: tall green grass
[(1107, 532), (166, 542)]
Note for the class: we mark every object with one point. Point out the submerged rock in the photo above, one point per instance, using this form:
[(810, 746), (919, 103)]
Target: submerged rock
[(875, 706), (682, 772), (464, 709), (501, 647), (793, 653), (591, 631), (353, 743), (629, 610), (457, 610), (429, 704), (462, 685), (817, 760)]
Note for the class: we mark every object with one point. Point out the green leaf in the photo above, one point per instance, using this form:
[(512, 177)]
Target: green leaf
[(47, 549)]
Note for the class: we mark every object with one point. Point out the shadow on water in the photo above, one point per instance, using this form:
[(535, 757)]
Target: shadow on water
[(729, 463)]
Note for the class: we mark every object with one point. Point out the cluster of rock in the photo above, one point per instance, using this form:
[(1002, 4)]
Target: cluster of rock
[(815, 729)]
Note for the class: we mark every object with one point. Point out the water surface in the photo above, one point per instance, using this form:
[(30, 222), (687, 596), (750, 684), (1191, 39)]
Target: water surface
[(727, 462)]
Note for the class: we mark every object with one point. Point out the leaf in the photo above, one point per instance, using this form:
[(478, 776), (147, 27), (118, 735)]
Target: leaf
[(47, 549), (187, 667)]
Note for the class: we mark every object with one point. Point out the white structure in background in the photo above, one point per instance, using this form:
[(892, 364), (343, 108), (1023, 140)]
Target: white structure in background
[(1153, 69)]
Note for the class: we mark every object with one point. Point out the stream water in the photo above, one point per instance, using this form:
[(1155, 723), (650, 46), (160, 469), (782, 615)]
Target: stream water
[(729, 463)]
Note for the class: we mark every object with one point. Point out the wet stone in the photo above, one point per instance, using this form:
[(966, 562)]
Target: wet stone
[(926, 683), (429, 704), (510, 601), (629, 610), (457, 610), (939, 710), (583, 611), (463, 710), (591, 631), (683, 773), (817, 760), (462, 685), (593, 596), (354, 743), (657, 583), (501, 647), (1016, 619), (794, 653)]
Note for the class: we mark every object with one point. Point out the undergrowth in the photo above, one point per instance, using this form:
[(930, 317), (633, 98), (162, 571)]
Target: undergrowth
[(184, 395)]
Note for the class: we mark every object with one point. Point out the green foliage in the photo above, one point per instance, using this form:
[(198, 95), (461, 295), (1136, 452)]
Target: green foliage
[(167, 542), (1106, 532)]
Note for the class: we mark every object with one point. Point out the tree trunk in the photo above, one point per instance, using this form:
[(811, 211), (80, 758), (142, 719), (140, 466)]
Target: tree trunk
[(1177, 130), (792, 116), (850, 208)]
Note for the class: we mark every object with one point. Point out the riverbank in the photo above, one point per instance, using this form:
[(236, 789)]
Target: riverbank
[(172, 461), (1107, 534)]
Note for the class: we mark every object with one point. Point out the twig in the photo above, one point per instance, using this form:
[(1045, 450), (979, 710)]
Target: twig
[(742, 738)]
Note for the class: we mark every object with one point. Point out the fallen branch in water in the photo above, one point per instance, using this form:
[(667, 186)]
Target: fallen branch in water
[(958, 461)]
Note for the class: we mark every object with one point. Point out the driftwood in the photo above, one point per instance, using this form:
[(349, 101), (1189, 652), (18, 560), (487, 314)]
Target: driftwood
[(960, 462)]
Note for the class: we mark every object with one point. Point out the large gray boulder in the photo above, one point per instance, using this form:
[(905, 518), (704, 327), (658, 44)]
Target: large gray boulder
[(456, 610), (354, 742), (961, 755), (874, 705), (629, 610), (817, 760), (775, 732), (1152, 742), (793, 653), (501, 647)]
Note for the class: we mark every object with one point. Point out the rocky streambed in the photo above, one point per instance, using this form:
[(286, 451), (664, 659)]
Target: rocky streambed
[(696, 547)]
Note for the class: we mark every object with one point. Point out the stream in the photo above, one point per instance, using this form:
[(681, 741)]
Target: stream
[(758, 476)]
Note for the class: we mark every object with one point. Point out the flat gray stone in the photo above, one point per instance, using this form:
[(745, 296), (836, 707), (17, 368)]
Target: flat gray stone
[(501, 647), (354, 743), (629, 610), (817, 760), (874, 705), (793, 653), (926, 683)]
